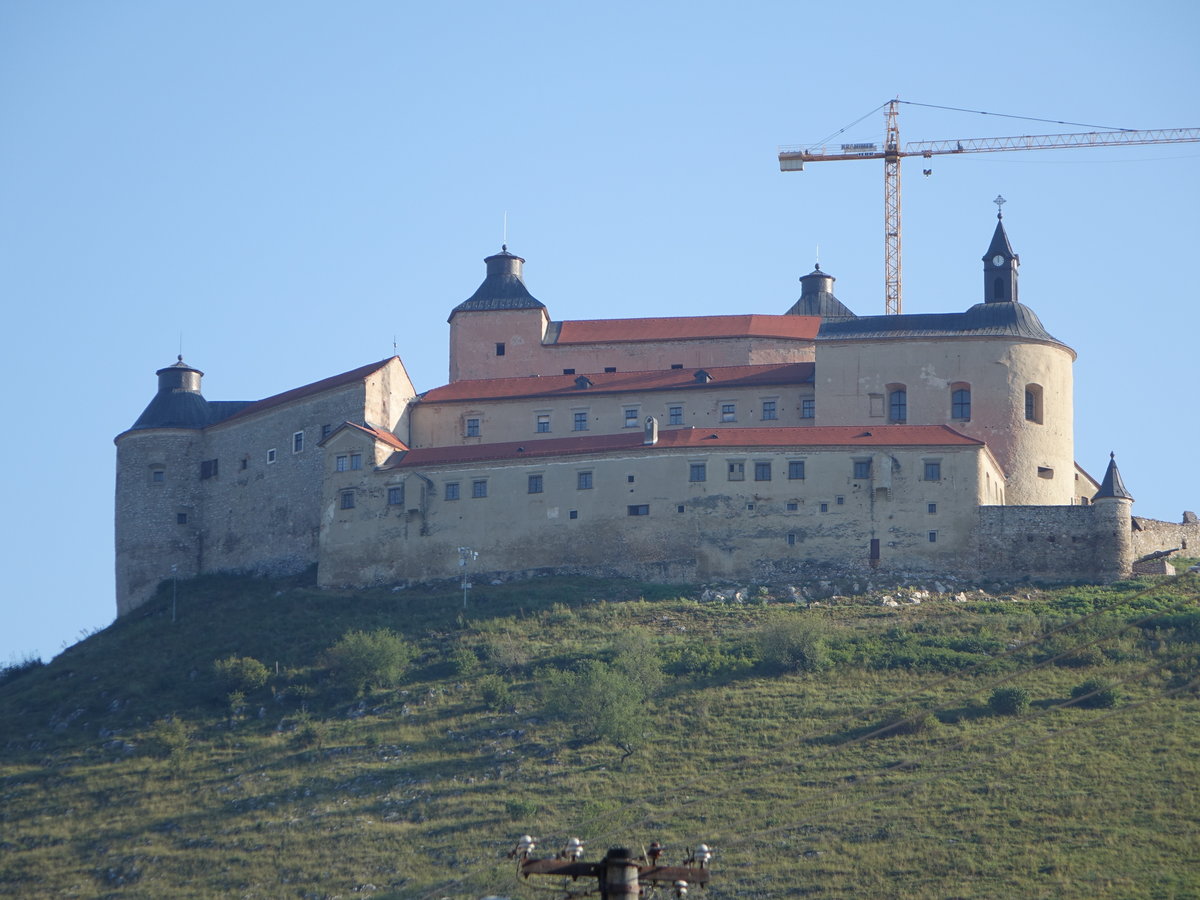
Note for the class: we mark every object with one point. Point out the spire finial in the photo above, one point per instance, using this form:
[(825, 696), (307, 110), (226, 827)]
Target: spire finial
[(999, 201)]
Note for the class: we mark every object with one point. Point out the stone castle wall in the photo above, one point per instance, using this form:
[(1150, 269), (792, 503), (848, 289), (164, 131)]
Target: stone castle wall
[(1153, 536), (1055, 543)]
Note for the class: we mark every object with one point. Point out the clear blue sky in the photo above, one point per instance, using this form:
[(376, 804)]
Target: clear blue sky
[(294, 185)]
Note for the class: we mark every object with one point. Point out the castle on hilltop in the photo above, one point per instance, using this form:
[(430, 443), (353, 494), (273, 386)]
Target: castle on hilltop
[(687, 448)]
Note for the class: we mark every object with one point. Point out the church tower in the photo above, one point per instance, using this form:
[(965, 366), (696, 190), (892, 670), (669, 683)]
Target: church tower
[(1000, 265)]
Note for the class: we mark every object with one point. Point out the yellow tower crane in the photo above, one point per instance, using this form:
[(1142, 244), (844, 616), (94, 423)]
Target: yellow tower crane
[(793, 160)]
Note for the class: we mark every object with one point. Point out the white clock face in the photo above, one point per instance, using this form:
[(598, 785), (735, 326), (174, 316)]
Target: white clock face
[(997, 260)]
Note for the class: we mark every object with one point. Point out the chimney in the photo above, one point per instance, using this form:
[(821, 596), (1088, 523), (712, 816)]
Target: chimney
[(650, 432)]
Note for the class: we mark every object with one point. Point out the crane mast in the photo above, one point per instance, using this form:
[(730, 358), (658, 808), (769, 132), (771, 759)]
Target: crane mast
[(793, 160)]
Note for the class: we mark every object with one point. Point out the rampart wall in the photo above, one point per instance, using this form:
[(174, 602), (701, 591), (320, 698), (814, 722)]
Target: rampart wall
[(1055, 543)]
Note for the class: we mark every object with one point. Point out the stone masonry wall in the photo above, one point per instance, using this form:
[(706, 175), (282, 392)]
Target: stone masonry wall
[(1052, 543), (1151, 536)]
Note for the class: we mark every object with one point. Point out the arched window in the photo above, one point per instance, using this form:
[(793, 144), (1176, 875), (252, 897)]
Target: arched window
[(897, 403), (1033, 403), (960, 401), (998, 289)]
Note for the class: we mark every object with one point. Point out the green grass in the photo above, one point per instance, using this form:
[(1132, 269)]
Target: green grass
[(128, 770)]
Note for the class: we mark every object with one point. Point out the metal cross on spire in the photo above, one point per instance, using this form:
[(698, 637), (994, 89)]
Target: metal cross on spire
[(999, 201)]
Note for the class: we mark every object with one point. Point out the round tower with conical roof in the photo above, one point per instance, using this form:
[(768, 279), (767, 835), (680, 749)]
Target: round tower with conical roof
[(157, 499)]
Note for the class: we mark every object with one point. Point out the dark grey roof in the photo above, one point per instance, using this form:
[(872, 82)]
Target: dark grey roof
[(984, 319), (999, 242), (817, 299), (1112, 485), (502, 288), (174, 409)]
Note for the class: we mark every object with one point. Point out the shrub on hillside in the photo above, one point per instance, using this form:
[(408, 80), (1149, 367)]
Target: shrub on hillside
[(792, 642), (909, 719), (600, 701), (240, 674), (1094, 694), (495, 693), (1010, 701), (365, 659), (17, 669)]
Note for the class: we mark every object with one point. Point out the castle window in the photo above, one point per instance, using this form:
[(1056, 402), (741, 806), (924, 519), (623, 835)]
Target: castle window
[(674, 415), (568, 371), (341, 464), (898, 405), (450, 490), (610, 369), (396, 495), (840, 500), (472, 428), (180, 518), (271, 456), (676, 365), (932, 509), (960, 402), (158, 476), (499, 348), (535, 484), (298, 442), (630, 478), (762, 471), (573, 514), (1045, 472), (768, 410), (581, 421), (933, 470), (355, 461), (543, 423), (245, 464), (796, 469), (737, 471), (824, 507), (326, 430), (792, 506), (208, 469), (479, 488), (791, 539), (698, 472), (998, 289), (680, 507), (808, 408), (728, 412), (862, 468), (933, 537), (640, 509), (1033, 403), (347, 501), (583, 481), (631, 417)]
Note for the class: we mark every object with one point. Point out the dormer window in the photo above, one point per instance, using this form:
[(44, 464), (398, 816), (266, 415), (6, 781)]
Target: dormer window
[(583, 382), (702, 377)]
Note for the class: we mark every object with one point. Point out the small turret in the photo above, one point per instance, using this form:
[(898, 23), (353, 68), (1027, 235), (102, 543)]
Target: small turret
[(817, 299), (502, 288), (178, 403), (1113, 486), (1000, 265)]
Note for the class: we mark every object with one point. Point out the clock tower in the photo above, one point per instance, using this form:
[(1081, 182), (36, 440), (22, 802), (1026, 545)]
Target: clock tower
[(1000, 264)]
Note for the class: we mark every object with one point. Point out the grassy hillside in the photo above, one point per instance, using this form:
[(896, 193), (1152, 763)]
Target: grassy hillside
[(841, 748)]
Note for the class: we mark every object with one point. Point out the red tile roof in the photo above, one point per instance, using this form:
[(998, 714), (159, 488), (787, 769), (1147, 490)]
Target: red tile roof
[(688, 328), (616, 382), (378, 434), (308, 390), (830, 436)]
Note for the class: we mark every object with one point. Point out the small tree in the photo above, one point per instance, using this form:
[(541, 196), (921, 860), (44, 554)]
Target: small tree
[(1012, 701), (793, 642), (240, 674), (602, 702), (1094, 694), (365, 659)]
